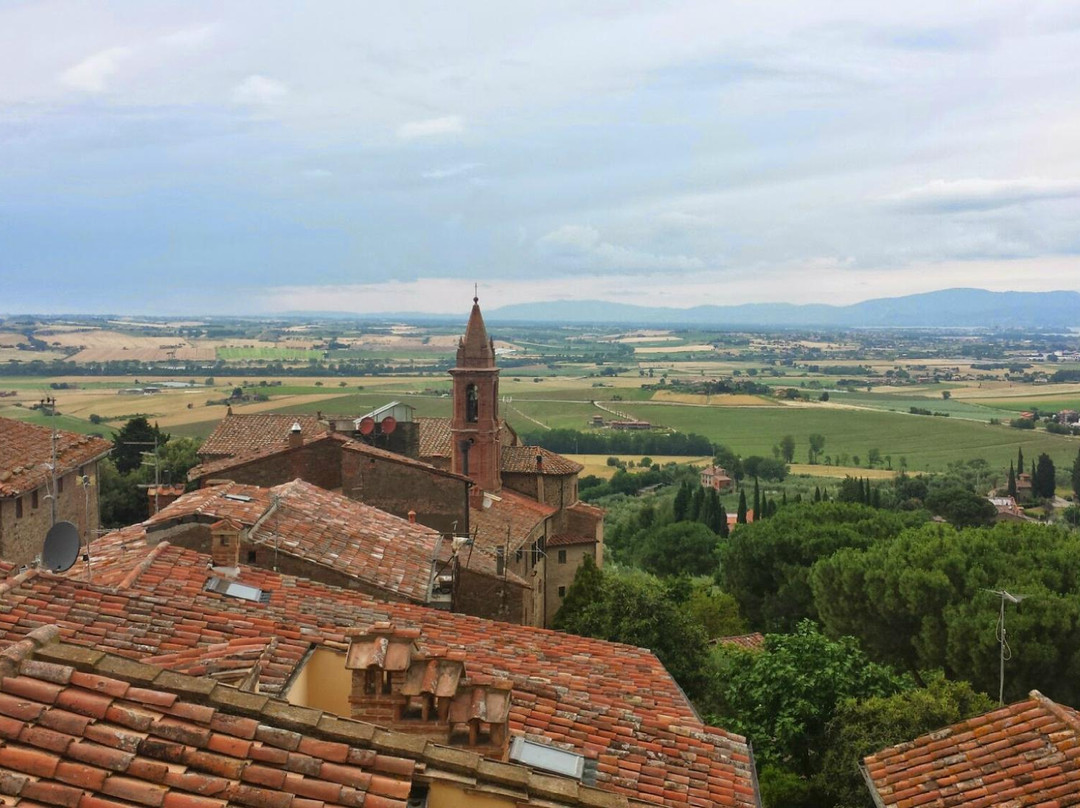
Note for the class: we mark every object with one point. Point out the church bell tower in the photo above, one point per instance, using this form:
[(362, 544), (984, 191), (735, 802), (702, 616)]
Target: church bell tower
[(474, 427)]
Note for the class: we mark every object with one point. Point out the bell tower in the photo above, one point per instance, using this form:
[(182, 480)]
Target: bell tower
[(474, 428)]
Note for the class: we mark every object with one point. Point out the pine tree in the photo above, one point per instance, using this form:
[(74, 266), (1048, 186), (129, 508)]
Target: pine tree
[(740, 516)]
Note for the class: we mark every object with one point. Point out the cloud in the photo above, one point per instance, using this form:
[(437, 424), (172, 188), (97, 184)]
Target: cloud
[(981, 194), (317, 173), (450, 171), (582, 246), (259, 91), (92, 74), (432, 127)]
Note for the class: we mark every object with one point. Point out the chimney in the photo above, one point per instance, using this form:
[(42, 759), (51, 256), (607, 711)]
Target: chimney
[(412, 517), (162, 496), (225, 543), (296, 436), (539, 462)]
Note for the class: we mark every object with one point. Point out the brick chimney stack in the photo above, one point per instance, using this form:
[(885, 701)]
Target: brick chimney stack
[(225, 543), (296, 436)]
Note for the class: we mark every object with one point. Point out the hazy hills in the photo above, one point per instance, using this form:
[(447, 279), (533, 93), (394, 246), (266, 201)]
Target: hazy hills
[(943, 309)]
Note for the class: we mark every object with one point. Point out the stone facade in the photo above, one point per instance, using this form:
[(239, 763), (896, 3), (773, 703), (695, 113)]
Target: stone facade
[(25, 520)]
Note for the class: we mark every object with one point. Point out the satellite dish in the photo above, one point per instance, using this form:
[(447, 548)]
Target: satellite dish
[(367, 425), (388, 424), (61, 547)]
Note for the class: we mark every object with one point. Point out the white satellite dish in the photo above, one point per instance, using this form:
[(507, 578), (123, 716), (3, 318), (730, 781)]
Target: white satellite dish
[(61, 547)]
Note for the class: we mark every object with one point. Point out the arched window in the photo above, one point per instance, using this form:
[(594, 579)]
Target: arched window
[(472, 405)]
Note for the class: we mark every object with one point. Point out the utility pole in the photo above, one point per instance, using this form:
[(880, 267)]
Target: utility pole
[(1005, 652)]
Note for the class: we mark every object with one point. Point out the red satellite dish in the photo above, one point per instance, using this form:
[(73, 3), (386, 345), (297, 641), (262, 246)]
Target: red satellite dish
[(367, 425), (388, 425)]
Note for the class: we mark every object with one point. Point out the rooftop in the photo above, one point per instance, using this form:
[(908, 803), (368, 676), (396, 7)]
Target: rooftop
[(26, 452), (239, 433), (1027, 753), (522, 460), (613, 703)]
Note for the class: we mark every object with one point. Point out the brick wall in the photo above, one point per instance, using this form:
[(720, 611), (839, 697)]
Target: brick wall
[(440, 502), (483, 596), (560, 574), (318, 463), (21, 538)]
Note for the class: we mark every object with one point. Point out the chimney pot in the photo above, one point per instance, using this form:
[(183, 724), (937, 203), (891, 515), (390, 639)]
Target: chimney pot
[(412, 517)]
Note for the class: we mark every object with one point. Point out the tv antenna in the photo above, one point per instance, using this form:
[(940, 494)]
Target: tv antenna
[(1002, 638), (61, 547)]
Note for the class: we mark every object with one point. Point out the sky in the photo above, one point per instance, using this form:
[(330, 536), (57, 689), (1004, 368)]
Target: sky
[(224, 157)]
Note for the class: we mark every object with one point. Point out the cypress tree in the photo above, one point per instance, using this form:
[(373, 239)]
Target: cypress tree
[(817, 493), (875, 499), (740, 516), (721, 518), (757, 498), (682, 501), (695, 504), (1012, 480), (1020, 460)]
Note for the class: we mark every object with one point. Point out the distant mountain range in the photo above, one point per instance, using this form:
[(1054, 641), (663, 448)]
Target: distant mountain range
[(948, 308)]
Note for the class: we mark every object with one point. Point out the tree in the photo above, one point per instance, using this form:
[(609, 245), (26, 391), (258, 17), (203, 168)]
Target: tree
[(681, 547), (787, 448), (873, 457), (637, 609), (961, 507), (757, 499), (766, 565), (585, 589), (740, 515), (817, 445), (920, 602), (1012, 479), (946, 394), (783, 697), (860, 727), (681, 505), (132, 439), (1076, 475), (1044, 480)]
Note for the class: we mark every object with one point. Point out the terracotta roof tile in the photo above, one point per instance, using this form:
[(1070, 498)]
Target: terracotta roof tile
[(239, 433), (1020, 754), (26, 448), (598, 698), (522, 460), (568, 539), (754, 641), (167, 762), (508, 521)]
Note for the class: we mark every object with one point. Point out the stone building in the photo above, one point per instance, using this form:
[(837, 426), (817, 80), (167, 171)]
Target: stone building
[(28, 504), (469, 477)]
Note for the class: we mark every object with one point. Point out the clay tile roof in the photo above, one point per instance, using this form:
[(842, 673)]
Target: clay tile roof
[(435, 436), (520, 514), (73, 736), (1020, 754), (753, 642), (26, 448), (522, 459), (239, 433), (566, 539), (613, 703)]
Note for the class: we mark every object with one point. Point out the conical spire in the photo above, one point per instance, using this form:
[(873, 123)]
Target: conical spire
[(475, 349)]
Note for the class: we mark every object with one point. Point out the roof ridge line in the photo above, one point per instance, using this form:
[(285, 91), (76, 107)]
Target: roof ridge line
[(16, 653), (15, 581), (142, 566), (1070, 719)]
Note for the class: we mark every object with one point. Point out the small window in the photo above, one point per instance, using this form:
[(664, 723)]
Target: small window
[(18, 510), (520, 554), (33, 500), (562, 556), (59, 485), (472, 404), (562, 591), (251, 556)]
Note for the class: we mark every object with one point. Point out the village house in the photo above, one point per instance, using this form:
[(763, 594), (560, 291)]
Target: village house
[(470, 476), (599, 723), (717, 478), (34, 494)]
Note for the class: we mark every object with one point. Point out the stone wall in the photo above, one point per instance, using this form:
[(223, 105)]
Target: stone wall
[(21, 538)]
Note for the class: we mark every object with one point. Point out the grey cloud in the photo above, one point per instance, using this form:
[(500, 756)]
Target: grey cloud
[(981, 194)]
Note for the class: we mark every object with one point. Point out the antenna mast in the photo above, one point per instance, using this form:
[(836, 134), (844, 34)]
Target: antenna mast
[(1005, 653)]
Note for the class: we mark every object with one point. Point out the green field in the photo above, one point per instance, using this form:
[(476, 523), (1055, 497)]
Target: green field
[(59, 421), (238, 354)]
